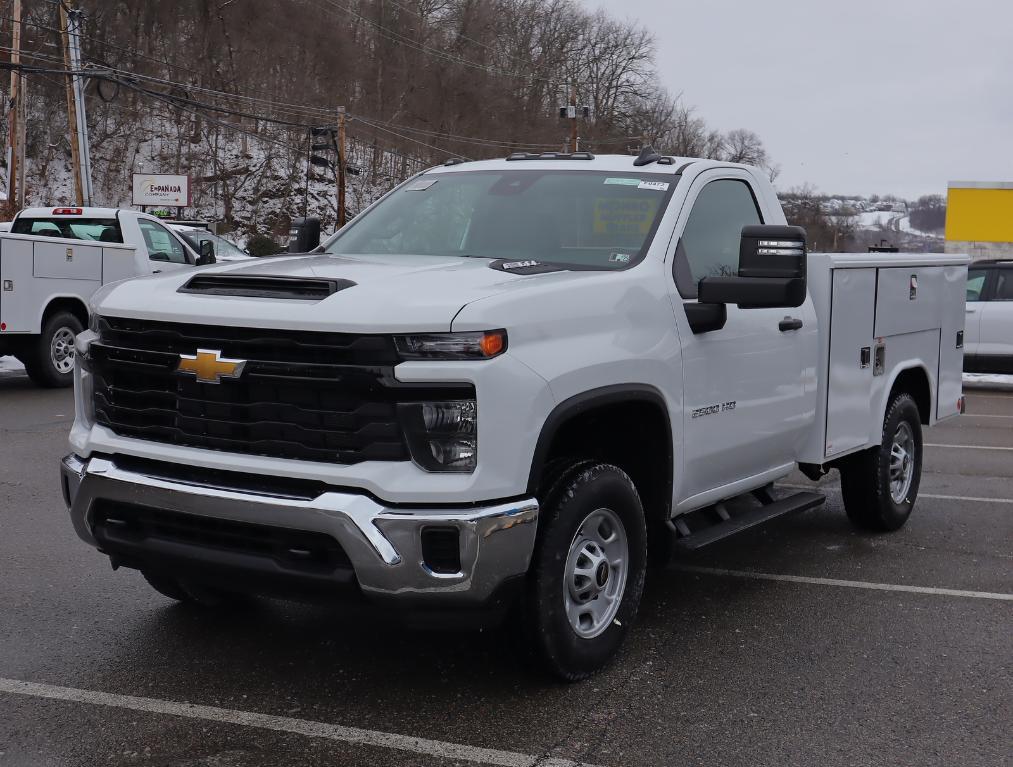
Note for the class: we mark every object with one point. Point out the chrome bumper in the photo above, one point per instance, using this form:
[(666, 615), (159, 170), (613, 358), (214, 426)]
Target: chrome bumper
[(384, 544)]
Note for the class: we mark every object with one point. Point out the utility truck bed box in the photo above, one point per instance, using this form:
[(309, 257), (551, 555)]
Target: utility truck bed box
[(34, 270), (877, 311)]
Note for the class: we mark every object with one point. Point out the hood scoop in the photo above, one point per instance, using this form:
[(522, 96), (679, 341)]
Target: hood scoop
[(264, 286)]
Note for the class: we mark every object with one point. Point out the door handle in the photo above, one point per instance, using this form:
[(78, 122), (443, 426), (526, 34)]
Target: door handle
[(970, 309), (789, 323)]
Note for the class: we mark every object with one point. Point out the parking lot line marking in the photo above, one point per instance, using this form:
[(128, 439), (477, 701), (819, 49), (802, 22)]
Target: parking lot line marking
[(934, 496), (967, 447), (847, 584), (436, 748)]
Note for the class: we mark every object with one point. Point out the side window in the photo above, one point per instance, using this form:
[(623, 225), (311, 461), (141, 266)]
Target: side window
[(975, 283), (710, 243), (161, 245), (1004, 285)]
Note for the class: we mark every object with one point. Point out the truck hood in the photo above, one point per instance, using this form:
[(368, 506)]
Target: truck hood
[(390, 294)]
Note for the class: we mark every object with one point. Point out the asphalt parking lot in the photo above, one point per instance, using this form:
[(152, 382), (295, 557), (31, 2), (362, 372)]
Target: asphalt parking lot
[(802, 643)]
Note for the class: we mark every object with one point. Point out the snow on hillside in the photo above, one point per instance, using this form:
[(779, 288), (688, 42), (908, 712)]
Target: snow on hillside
[(875, 219), (257, 183)]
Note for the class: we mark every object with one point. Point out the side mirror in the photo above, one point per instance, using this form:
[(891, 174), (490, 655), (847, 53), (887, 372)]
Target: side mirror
[(207, 253), (304, 234), (772, 271)]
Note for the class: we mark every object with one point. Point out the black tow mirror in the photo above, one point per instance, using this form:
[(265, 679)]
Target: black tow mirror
[(207, 253), (304, 235), (772, 271)]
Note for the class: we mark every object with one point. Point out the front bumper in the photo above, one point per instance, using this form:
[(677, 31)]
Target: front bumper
[(383, 544)]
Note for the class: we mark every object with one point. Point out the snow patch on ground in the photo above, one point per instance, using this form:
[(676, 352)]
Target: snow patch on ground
[(11, 365), (988, 381)]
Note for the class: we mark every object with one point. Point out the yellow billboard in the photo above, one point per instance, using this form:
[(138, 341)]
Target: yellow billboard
[(979, 211)]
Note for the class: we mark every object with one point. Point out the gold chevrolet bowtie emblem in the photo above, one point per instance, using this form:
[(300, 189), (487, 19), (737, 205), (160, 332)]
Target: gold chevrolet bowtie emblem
[(209, 367)]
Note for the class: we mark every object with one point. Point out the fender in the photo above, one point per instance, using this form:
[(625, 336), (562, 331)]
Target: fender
[(885, 397), (586, 401), (68, 297)]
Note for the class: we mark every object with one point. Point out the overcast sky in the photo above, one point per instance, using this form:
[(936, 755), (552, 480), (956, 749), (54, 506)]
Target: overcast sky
[(853, 96)]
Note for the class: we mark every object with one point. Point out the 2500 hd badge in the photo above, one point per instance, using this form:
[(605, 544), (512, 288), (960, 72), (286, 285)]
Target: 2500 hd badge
[(711, 409)]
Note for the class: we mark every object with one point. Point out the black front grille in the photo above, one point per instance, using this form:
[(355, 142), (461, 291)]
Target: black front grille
[(125, 527), (311, 396)]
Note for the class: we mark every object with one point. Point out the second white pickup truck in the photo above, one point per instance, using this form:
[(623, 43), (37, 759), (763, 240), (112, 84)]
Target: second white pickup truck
[(52, 261), (508, 380)]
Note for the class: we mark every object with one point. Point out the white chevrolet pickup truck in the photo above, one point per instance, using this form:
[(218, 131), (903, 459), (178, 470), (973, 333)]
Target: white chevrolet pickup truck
[(52, 261), (506, 384)]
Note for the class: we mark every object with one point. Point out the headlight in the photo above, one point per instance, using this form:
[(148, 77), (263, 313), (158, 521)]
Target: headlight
[(441, 436), (452, 346)]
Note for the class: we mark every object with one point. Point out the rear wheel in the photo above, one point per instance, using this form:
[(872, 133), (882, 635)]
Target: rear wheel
[(51, 362), (587, 572), (880, 485)]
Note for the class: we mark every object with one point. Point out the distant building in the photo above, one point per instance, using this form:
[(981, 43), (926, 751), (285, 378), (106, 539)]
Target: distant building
[(979, 218)]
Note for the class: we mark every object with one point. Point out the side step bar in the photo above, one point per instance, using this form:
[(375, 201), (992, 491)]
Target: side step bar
[(721, 524)]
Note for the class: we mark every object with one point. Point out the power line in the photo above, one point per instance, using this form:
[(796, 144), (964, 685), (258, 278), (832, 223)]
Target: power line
[(408, 138)]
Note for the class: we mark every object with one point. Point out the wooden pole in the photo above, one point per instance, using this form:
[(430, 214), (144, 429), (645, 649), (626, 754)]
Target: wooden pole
[(75, 150), (12, 117), (341, 167), (22, 140), (573, 123)]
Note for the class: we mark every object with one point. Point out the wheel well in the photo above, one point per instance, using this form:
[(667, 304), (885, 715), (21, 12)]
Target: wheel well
[(915, 382), (74, 306), (632, 432)]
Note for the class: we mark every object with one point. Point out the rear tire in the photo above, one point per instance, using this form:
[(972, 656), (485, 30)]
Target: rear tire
[(880, 484), (50, 362), (587, 570)]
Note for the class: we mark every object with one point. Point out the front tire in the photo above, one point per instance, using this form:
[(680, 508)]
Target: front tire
[(50, 363), (587, 572), (880, 484)]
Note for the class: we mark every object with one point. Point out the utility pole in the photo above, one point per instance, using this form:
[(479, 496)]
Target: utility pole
[(74, 20), (14, 138), (341, 166), (571, 112), (309, 166), (574, 141), (75, 148)]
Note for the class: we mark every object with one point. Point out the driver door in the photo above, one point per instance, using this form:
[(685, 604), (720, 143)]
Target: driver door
[(749, 387)]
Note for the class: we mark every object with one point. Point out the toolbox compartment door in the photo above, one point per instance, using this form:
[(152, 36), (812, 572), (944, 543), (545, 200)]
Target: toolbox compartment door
[(118, 263), (951, 352), (66, 261), (17, 294), (909, 299), (849, 379)]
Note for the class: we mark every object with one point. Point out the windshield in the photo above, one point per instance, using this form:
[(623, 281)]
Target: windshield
[(591, 219)]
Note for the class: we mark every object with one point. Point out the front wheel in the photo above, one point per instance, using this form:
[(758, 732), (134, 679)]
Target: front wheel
[(587, 572), (880, 484)]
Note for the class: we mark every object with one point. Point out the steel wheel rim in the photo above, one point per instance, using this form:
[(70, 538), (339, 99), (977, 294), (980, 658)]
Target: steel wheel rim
[(595, 576), (61, 350), (902, 463)]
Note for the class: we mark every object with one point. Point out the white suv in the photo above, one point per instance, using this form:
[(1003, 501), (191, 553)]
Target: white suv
[(988, 332)]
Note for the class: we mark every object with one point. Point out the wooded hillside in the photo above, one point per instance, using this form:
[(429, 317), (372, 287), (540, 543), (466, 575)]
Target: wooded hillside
[(228, 89)]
